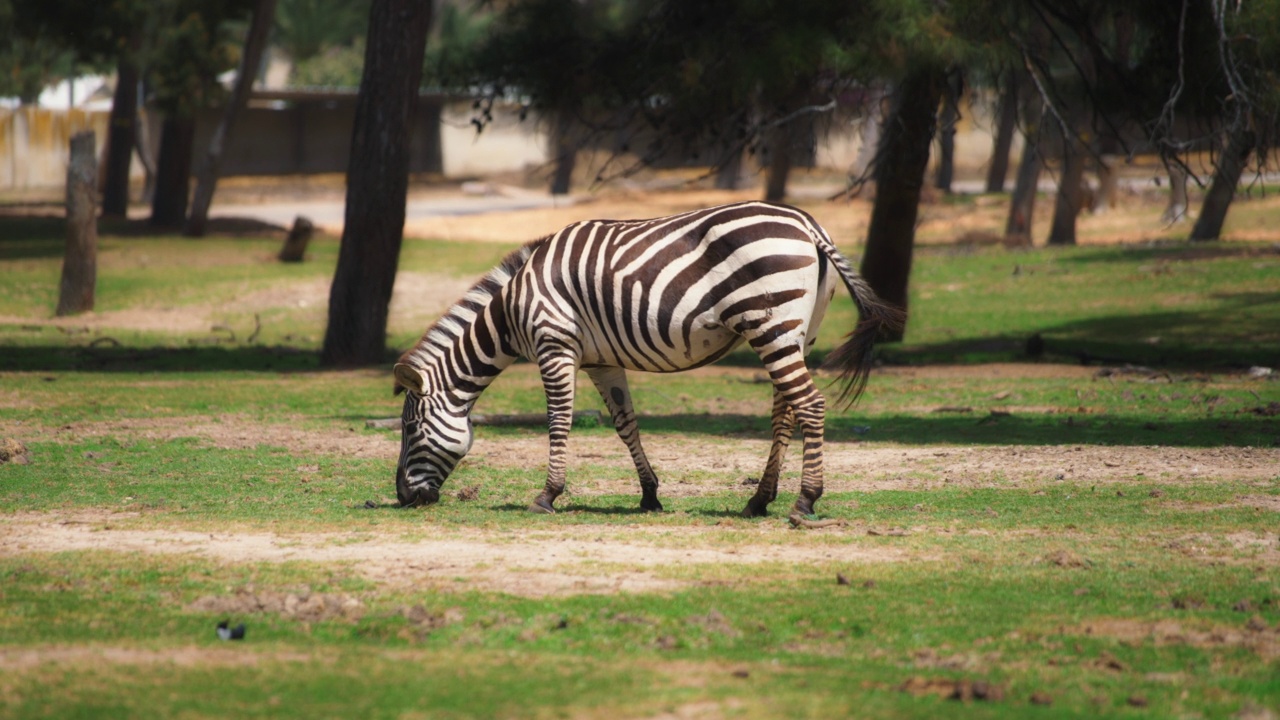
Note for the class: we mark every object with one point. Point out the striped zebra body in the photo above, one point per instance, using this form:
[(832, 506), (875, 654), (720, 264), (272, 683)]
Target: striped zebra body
[(660, 295)]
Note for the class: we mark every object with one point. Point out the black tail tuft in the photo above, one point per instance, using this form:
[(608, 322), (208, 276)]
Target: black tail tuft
[(852, 360)]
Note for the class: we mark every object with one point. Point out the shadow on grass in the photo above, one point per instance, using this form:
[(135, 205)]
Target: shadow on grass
[(981, 428), (1240, 332), (107, 358), (43, 235)]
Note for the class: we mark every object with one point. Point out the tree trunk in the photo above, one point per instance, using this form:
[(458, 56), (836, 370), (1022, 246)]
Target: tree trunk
[(1176, 209), (1006, 123), (1230, 166), (120, 138), (255, 43), (299, 237), (1022, 204), (1108, 185), (377, 184), (173, 172), (80, 263), (1070, 199), (869, 133), (729, 172), (947, 135), (900, 175), (780, 140), (566, 154)]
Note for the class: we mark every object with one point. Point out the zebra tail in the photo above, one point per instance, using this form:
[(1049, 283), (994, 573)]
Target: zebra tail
[(852, 360)]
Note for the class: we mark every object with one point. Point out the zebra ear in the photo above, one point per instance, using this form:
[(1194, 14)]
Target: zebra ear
[(409, 377)]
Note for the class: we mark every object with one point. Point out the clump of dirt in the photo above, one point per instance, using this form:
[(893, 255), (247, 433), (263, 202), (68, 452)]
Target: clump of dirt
[(13, 451), (1067, 559), (1255, 636), (302, 605), (964, 689)]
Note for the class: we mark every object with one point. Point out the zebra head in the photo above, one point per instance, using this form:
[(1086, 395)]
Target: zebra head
[(436, 433)]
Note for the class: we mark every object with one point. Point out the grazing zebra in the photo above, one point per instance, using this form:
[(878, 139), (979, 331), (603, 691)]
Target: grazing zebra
[(660, 295)]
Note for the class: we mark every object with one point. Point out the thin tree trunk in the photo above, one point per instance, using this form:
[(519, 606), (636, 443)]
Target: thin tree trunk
[(1070, 198), (1176, 209), (377, 184), (566, 154), (1213, 211), (900, 175), (1022, 204), (1108, 185), (142, 142), (947, 134), (80, 262), (1006, 123), (780, 141), (207, 179), (869, 133), (173, 172), (120, 138), (729, 172)]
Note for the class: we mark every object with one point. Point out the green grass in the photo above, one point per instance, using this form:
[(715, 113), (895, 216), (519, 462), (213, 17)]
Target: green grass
[(1095, 594)]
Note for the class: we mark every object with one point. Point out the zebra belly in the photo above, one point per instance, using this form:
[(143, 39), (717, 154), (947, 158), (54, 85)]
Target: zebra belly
[(708, 342)]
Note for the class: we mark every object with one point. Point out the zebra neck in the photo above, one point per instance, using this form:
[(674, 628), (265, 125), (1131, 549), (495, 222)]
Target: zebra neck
[(469, 346)]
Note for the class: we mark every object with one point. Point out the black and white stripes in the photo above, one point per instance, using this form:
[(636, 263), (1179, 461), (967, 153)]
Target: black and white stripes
[(660, 295)]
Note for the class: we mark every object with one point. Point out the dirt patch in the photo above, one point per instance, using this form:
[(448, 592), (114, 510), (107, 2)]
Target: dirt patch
[(32, 658), (418, 299), (600, 464), (1262, 640), (558, 562)]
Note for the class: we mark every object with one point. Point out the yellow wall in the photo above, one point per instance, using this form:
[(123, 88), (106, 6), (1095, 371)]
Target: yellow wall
[(35, 144)]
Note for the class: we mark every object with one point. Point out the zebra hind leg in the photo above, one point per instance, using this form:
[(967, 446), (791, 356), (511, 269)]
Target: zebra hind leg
[(794, 386), (784, 419), (612, 384)]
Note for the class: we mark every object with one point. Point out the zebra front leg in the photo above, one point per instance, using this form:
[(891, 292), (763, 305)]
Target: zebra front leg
[(612, 384), (558, 372), (784, 420)]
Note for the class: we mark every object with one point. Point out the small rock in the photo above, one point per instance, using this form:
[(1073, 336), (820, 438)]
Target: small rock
[(842, 579), (1137, 701), (1041, 698), (1258, 371), (371, 505), (741, 674)]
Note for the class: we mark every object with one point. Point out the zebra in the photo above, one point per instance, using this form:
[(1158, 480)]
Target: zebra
[(660, 295)]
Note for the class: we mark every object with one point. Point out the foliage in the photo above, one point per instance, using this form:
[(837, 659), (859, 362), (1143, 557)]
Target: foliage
[(335, 66), (306, 29), (29, 61)]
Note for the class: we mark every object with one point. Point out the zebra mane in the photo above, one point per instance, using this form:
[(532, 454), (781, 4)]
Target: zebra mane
[(444, 332)]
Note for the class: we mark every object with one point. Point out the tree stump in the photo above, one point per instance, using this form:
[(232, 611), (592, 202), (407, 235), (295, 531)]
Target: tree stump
[(295, 245), (80, 261)]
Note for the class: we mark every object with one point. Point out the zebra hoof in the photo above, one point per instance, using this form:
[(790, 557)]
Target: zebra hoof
[(650, 505), (803, 507), (542, 506), (755, 509)]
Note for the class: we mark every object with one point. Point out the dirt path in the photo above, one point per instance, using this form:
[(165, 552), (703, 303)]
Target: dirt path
[(532, 563), (599, 463)]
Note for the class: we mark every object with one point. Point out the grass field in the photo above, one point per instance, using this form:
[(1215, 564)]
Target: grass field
[(1091, 531)]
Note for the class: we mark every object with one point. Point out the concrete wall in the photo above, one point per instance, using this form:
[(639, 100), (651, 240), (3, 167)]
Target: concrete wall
[(302, 133), (35, 144)]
